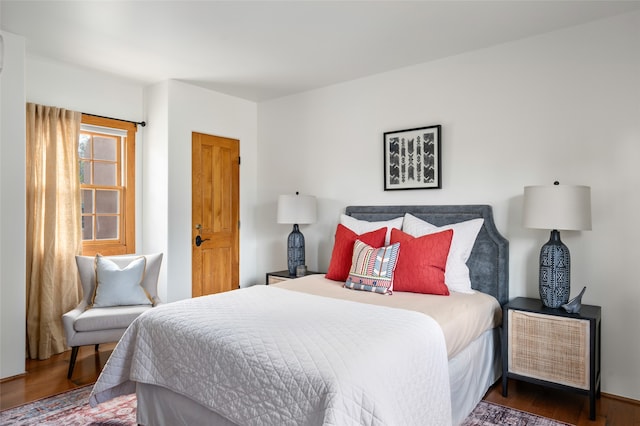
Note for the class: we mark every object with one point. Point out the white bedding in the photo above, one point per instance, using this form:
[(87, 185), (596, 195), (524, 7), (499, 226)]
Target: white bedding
[(266, 355), (462, 316)]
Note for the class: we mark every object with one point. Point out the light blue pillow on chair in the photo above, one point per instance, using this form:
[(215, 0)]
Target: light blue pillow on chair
[(117, 286)]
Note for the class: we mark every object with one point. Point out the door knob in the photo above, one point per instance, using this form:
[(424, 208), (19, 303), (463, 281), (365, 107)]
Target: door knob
[(199, 240)]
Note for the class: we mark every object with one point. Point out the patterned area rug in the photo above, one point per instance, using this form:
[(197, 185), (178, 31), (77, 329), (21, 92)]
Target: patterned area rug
[(72, 409), (489, 414)]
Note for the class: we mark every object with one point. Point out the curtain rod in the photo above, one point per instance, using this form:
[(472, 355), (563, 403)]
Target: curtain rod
[(141, 123)]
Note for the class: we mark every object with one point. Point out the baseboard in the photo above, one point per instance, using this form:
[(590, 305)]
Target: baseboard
[(621, 398), (6, 379)]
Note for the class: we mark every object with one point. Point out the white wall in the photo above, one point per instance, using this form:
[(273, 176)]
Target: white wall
[(56, 84), (155, 177), (12, 207), (193, 109), (561, 106)]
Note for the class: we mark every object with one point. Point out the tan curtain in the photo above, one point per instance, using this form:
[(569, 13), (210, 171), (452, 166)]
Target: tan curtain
[(53, 225)]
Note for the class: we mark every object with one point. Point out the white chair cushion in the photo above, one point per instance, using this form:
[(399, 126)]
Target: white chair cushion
[(120, 286), (96, 319)]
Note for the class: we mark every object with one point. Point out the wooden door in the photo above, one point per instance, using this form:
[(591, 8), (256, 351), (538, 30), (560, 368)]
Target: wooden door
[(215, 214)]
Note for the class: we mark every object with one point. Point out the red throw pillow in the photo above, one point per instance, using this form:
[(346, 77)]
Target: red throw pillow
[(342, 254), (421, 263)]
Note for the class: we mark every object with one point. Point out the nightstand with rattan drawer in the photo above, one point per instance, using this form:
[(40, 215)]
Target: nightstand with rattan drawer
[(551, 347)]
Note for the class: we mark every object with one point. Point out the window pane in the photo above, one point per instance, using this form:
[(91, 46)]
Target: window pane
[(87, 201), (104, 148), (85, 172), (87, 227), (106, 227), (107, 201), (104, 174), (84, 146)]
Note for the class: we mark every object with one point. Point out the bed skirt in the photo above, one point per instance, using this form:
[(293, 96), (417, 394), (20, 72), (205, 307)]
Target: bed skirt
[(471, 373)]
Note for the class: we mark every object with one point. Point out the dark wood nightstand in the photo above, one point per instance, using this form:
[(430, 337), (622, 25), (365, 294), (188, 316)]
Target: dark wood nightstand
[(551, 347), (276, 277)]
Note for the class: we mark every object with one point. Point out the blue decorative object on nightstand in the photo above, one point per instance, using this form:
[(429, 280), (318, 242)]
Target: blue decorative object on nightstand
[(573, 306)]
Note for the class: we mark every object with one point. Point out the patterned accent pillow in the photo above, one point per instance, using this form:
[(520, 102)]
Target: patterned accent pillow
[(372, 268)]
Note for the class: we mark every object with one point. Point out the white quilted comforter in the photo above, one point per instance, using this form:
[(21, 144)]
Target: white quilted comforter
[(268, 356)]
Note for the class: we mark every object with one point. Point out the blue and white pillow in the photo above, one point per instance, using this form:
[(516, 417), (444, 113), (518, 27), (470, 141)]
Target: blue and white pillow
[(117, 286)]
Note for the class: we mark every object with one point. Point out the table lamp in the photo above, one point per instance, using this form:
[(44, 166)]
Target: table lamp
[(556, 207), (296, 209)]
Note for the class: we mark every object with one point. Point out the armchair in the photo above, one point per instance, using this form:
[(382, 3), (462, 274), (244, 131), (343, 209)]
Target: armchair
[(92, 325)]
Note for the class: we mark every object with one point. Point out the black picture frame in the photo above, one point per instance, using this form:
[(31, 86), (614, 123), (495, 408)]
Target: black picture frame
[(412, 158)]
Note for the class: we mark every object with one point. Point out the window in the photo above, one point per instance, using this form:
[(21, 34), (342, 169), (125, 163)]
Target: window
[(106, 149)]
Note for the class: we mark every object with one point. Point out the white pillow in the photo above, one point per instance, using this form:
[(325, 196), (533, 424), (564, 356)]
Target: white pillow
[(456, 275), (120, 287), (362, 226)]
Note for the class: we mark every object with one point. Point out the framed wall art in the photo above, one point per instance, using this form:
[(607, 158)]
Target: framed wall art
[(412, 159)]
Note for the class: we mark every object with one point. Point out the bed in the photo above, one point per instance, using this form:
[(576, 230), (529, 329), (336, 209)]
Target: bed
[(308, 351)]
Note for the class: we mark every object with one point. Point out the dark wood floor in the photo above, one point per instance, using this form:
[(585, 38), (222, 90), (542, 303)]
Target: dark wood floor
[(566, 406), (49, 377)]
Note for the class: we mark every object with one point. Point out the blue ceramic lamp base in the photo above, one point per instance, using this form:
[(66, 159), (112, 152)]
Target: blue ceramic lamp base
[(555, 265), (295, 250)]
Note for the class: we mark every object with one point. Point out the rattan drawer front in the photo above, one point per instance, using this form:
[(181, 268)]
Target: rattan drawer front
[(274, 279), (549, 348)]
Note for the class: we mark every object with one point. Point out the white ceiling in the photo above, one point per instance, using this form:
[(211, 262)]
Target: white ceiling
[(261, 50)]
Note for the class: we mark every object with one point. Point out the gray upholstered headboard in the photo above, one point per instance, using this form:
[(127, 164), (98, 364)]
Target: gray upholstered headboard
[(489, 260)]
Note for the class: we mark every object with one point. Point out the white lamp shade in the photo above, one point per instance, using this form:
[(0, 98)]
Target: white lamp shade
[(296, 209), (561, 207)]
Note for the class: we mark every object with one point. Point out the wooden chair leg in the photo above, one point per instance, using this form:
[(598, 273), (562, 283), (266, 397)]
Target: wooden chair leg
[(72, 361), (97, 344)]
